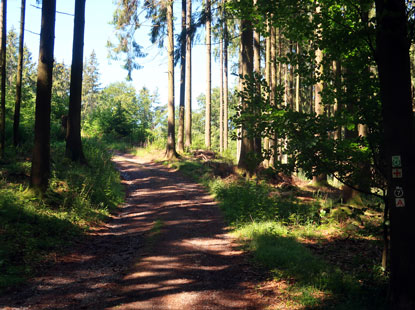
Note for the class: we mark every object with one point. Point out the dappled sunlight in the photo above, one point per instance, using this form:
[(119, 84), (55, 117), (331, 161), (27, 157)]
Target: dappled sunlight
[(166, 248)]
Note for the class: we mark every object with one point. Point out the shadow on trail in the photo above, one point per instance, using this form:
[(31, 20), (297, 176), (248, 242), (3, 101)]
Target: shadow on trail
[(184, 262)]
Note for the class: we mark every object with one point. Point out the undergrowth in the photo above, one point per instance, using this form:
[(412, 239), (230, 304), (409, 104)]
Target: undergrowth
[(33, 228)]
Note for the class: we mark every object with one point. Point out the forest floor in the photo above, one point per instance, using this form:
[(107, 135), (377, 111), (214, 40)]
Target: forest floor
[(167, 247)]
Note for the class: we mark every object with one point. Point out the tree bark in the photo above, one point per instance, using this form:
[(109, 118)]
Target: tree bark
[(208, 128), (73, 128), (318, 107), (225, 81), (221, 96), (180, 132), (257, 68), (188, 108), (171, 144), (16, 122), (40, 171), (3, 33), (247, 144), (268, 80), (297, 83), (392, 55)]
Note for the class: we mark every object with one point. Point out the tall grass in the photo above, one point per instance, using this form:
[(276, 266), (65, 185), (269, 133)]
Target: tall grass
[(32, 228)]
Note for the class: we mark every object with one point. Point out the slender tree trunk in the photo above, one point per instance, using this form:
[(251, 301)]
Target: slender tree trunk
[(225, 82), (318, 106), (247, 144), (297, 84), (337, 107), (41, 151), (73, 128), (3, 34), (221, 96), (188, 109), (392, 51), (257, 68), (208, 77), (180, 133), (273, 83), (268, 80), (16, 122), (171, 144)]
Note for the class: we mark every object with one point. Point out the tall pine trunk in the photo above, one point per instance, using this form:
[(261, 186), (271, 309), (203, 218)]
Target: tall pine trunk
[(221, 96), (73, 129), (171, 147), (208, 128), (392, 51), (318, 106), (180, 132), (16, 121), (268, 80), (257, 69), (40, 171), (245, 161), (188, 108), (225, 80), (3, 34)]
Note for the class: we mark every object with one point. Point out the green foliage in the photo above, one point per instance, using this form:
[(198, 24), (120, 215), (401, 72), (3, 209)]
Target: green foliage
[(308, 138), (33, 228), (126, 22), (270, 224), (198, 120), (122, 113), (90, 83)]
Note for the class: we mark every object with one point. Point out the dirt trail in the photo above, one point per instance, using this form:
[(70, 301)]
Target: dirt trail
[(167, 248)]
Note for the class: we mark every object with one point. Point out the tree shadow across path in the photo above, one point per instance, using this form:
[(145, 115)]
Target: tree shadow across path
[(167, 248)]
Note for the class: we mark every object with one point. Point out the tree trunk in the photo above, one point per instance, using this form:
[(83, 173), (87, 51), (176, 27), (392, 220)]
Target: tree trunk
[(3, 34), (16, 122), (171, 144), (40, 172), (208, 78), (318, 106), (180, 132), (247, 145), (268, 80), (221, 96), (188, 109), (272, 85), (73, 128), (297, 84), (257, 69), (337, 85), (392, 51), (225, 82)]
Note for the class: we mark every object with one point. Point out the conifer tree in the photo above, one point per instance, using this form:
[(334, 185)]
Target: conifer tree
[(73, 129), (40, 172), (3, 37)]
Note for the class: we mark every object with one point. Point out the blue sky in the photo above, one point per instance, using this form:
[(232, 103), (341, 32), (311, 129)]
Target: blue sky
[(97, 32)]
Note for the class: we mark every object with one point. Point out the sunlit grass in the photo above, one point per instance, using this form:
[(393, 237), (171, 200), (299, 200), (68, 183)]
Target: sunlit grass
[(274, 226), (32, 228)]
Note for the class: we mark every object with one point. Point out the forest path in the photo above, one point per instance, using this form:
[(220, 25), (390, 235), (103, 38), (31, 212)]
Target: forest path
[(166, 248)]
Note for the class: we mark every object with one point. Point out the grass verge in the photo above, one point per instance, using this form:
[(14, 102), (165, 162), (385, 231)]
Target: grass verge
[(275, 226), (32, 229)]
